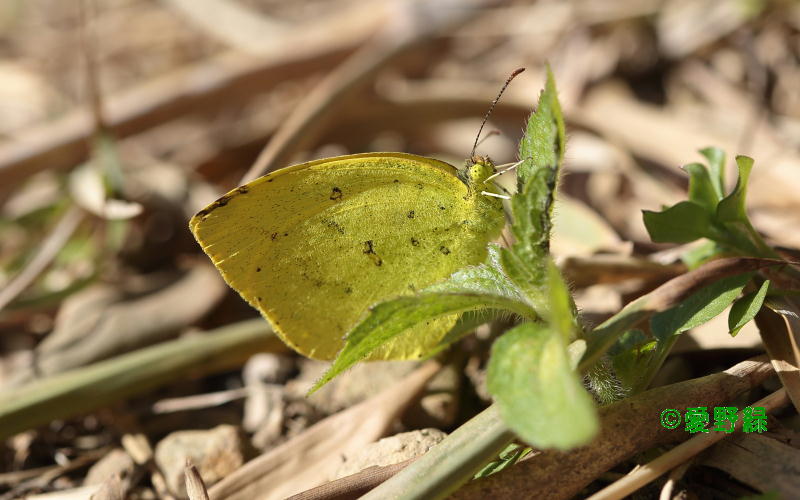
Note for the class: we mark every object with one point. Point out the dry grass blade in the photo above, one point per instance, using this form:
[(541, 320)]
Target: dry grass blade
[(195, 488), (778, 462), (94, 386), (411, 24), (208, 85), (674, 476), (41, 477), (98, 322), (47, 252), (629, 426), (666, 138), (199, 401), (680, 454), (307, 459), (353, 486), (600, 269), (232, 23), (110, 489), (779, 324)]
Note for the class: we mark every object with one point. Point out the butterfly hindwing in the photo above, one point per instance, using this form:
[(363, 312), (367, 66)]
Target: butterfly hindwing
[(313, 246)]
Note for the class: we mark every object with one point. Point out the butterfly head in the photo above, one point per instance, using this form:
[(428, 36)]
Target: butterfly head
[(476, 173)]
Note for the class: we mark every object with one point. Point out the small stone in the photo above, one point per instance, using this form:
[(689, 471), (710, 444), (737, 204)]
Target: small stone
[(216, 453), (267, 368), (264, 414), (115, 462), (390, 450)]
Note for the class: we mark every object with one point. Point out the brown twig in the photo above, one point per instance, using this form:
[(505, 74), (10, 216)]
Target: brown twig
[(680, 454), (779, 326), (201, 87), (48, 250), (195, 487), (355, 485), (412, 24), (628, 427), (93, 87)]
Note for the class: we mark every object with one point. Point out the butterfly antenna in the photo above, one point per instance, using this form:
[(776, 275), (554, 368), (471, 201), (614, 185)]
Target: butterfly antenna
[(488, 135), (491, 108)]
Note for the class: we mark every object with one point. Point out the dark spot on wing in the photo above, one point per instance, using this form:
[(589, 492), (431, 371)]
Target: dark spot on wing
[(444, 250), (286, 234), (410, 214), (348, 290), (370, 251), (258, 269), (273, 236), (396, 181), (259, 299), (270, 179), (414, 242), (419, 185), (222, 201), (336, 193), (317, 282), (442, 207), (333, 225)]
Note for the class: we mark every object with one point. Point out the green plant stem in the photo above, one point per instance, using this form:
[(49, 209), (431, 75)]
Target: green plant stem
[(764, 250), (452, 462), (100, 384), (605, 334), (643, 382)]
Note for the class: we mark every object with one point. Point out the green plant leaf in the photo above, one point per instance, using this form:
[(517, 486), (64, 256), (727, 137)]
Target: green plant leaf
[(746, 308), (700, 254), (544, 142), (631, 355), (539, 395), (701, 188), (485, 278), (663, 298), (561, 313), (389, 319), (732, 208), (681, 223), (523, 266), (716, 166), (512, 454), (699, 307), (541, 153), (637, 357)]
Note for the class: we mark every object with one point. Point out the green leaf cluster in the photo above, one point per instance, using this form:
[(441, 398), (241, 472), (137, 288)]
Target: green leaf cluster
[(722, 219), (710, 213)]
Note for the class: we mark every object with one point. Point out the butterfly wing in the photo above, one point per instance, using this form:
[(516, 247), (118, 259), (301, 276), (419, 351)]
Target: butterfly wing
[(314, 245)]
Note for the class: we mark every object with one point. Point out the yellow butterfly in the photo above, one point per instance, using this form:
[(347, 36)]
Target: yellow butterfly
[(313, 246)]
